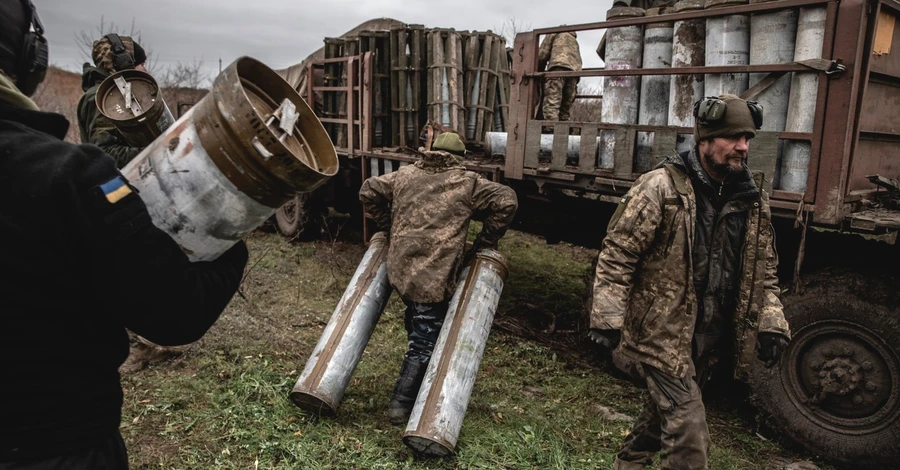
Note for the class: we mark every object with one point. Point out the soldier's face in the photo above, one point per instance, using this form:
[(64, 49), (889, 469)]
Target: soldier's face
[(723, 156)]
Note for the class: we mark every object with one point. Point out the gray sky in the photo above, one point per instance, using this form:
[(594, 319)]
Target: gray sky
[(282, 32)]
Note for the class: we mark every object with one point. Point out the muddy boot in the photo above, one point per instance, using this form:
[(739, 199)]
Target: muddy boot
[(405, 391)]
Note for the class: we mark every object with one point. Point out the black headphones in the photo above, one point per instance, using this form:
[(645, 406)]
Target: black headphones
[(35, 57), (122, 60), (711, 111)]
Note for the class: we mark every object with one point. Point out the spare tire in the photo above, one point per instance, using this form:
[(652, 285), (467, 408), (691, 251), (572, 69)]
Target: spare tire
[(836, 390), (302, 217)]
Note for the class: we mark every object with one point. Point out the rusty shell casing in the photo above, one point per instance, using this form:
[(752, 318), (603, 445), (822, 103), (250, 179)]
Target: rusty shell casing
[(440, 407), (142, 129), (228, 164), (321, 385)]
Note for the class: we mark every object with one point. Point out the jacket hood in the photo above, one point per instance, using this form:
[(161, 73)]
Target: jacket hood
[(438, 160), (92, 76)]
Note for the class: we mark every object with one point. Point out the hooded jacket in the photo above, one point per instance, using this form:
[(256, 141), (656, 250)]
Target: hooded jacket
[(644, 282)]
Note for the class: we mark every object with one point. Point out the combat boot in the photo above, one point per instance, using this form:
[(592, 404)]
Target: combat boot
[(405, 390)]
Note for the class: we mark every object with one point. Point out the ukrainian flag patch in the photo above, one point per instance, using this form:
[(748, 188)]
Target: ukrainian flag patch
[(115, 189)]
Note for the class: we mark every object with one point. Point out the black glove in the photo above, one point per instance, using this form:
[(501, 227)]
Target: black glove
[(607, 339), (769, 347)]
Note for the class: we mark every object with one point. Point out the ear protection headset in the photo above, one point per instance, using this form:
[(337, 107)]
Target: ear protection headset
[(711, 111), (35, 57), (122, 60)]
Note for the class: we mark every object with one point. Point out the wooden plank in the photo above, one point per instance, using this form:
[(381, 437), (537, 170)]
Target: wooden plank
[(623, 153), (532, 145), (587, 157), (664, 141), (394, 138), (471, 47), (418, 51), (763, 155), (521, 94), (560, 146)]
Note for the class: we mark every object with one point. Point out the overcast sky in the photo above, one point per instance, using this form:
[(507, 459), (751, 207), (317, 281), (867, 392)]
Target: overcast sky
[(283, 32)]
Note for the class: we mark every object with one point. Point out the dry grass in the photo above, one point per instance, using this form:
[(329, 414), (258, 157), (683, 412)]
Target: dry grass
[(224, 403)]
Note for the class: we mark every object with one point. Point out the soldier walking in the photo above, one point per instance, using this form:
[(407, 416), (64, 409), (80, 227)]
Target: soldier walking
[(687, 277), (559, 52), (427, 208)]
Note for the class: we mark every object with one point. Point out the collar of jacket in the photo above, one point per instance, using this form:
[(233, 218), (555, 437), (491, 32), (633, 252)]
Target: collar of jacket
[(50, 123), (92, 76), (435, 161), (740, 186)]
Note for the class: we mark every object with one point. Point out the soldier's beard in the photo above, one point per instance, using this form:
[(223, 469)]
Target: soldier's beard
[(732, 165)]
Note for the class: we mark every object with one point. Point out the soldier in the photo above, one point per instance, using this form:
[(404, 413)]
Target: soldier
[(686, 276), (111, 53), (427, 208), (86, 262), (559, 52)]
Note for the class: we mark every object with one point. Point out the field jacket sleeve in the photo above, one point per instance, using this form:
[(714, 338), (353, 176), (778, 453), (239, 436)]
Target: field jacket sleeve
[(632, 231), (376, 196), (495, 205), (771, 314)]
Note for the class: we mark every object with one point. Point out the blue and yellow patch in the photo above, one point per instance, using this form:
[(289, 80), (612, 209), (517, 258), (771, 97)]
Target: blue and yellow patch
[(115, 189)]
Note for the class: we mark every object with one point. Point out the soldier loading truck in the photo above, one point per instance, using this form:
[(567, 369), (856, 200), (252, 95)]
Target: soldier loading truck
[(826, 73)]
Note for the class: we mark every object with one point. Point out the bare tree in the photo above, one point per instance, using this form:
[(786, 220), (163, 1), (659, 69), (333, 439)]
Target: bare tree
[(184, 75), (510, 28)]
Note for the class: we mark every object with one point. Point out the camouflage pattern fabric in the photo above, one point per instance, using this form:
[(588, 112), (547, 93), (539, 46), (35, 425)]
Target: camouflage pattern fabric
[(423, 325), (643, 282), (672, 424), (559, 94), (560, 50), (102, 53), (96, 128), (427, 207)]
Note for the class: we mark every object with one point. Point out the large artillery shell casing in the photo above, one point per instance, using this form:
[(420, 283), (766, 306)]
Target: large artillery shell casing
[(240, 153), (321, 385), (440, 407), (154, 117)]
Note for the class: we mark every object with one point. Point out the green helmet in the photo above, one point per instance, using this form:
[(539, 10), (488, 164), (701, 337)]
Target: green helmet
[(449, 142)]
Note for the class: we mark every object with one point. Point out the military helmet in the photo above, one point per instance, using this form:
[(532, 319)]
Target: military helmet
[(449, 142)]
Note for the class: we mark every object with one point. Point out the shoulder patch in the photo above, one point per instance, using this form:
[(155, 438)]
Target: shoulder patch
[(115, 189)]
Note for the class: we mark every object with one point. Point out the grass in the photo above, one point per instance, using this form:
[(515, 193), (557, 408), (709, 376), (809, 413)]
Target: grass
[(224, 403)]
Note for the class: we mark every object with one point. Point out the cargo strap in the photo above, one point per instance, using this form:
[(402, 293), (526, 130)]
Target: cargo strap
[(823, 65)]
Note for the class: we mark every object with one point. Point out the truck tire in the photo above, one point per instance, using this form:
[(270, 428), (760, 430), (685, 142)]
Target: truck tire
[(836, 390), (301, 217)]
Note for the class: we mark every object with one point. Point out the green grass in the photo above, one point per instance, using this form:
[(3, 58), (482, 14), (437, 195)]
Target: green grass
[(224, 403)]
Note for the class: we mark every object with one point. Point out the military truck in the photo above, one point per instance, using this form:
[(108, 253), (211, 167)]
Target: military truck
[(837, 390)]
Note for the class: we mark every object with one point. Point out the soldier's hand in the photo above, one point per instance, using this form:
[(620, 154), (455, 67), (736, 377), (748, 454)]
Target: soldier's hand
[(606, 339), (770, 347)]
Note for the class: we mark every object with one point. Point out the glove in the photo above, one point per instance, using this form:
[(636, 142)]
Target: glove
[(769, 347), (607, 339)]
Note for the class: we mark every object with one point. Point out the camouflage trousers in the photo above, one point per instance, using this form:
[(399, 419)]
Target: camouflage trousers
[(672, 424), (423, 325), (559, 94)]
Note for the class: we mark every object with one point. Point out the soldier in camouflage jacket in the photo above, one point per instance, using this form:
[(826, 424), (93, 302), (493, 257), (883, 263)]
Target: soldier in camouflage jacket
[(559, 52), (96, 128), (427, 208), (687, 273)]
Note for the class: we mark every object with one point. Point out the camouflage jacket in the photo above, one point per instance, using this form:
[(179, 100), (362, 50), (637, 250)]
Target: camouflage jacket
[(96, 128), (560, 50), (427, 207), (643, 284)]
